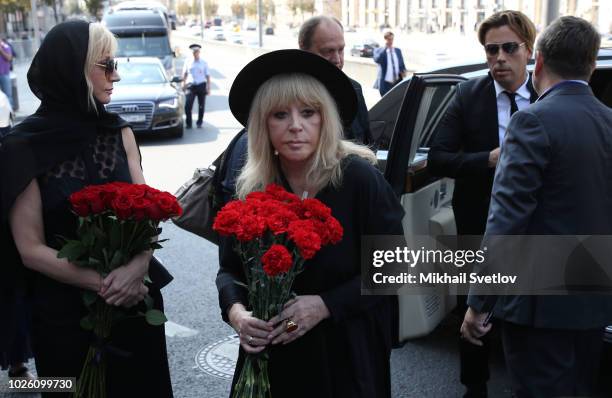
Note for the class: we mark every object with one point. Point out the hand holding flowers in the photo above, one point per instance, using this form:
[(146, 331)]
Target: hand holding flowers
[(117, 232), (275, 232)]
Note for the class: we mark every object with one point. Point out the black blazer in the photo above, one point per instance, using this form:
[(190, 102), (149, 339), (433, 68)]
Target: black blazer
[(460, 150), (359, 130), (554, 177)]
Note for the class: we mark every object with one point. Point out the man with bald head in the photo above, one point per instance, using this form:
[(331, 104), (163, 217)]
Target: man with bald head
[(324, 36)]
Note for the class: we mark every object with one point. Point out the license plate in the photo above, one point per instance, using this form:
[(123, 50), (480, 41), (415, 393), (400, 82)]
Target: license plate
[(137, 117)]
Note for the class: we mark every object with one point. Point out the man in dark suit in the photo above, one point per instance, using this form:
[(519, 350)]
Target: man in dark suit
[(554, 178), (324, 36), (467, 144), (391, 67)]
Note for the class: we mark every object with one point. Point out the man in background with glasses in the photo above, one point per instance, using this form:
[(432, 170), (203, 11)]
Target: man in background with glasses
[(467, 145)]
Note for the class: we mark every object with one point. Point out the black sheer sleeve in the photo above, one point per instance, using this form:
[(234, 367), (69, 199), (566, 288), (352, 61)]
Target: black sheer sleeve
[(230, 271), (380, 213)]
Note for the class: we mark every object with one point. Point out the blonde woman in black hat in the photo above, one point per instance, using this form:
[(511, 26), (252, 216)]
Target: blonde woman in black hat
[(338, 342), (196, 79)]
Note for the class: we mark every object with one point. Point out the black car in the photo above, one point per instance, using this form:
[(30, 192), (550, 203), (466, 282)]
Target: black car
[(141, 33), (403, 125), (365, 49), (145, 98)]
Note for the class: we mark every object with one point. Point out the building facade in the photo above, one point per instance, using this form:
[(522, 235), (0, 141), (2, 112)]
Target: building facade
[(464, 15)]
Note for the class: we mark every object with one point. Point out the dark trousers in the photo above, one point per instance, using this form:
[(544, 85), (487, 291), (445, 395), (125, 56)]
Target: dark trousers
[(473, 359), (546, 363), (196, 90), (386, 86)]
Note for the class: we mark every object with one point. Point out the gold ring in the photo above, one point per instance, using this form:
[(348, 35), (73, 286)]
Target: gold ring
[(291, 326)]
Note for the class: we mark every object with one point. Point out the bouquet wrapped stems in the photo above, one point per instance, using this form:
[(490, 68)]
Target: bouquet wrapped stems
[(254, 380), (92, 380)]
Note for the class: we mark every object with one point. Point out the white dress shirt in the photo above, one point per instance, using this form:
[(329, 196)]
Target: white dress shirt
[(197, 71), (523, 100), (392, 66)]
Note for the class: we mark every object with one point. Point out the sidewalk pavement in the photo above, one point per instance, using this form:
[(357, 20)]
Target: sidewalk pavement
[(28, 103)]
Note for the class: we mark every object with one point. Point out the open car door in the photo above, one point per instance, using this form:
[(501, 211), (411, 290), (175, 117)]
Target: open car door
[(403, 123)]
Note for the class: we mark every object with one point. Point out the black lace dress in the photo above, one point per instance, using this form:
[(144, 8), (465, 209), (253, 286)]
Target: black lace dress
[(137, 364)]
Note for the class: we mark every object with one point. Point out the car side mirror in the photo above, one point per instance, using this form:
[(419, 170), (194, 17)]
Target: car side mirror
[(176, 79)]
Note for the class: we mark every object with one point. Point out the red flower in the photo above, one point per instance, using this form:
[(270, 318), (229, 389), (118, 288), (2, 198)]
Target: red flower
[(313, 208), (140, 206), (168, 204), (303, 234), (80, 204), (250, 227), (226, 222), (154, 212), (334, 230), (257, 195), (281, 194), (122, 206), (276, 260), (134, 191), (279, 221)]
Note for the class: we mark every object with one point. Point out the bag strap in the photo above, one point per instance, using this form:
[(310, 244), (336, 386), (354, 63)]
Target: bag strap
[(221, 164)]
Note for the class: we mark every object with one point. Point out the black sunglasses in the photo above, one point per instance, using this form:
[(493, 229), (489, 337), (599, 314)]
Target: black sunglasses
[(509, 47), (110, 66)]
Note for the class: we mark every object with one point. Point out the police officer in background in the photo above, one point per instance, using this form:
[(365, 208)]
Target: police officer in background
[(196, 80)]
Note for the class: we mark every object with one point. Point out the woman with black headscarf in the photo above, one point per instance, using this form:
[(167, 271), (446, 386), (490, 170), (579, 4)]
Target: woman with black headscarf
[(70, 142)]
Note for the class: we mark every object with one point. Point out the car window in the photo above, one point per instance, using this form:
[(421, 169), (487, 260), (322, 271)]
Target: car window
[(601, 83), (151, 45), (383, 115), (138, 73), (424, 104)]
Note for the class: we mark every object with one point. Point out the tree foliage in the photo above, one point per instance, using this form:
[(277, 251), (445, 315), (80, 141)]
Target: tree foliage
[(267, 8), (305, 6), (183, 8), (14, 5), (93, 6), (238, 10), (210, 8)]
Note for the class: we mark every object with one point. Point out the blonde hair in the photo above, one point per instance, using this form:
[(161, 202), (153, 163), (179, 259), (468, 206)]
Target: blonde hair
[(101, 42), (261, 167)]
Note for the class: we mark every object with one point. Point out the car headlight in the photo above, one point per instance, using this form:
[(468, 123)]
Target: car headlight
[(168, 103)]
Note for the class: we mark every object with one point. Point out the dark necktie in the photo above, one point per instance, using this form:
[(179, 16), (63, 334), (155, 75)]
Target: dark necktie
[(392, 64), (512, 98)]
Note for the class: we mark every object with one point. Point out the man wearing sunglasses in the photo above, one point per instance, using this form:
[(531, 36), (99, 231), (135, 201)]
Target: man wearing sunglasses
[(467, 145), (555, 178)]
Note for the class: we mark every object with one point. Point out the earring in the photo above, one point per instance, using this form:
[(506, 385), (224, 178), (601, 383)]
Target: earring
[(275, 152)]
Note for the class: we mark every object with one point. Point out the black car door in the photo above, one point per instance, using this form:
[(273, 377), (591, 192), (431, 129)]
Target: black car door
[(403, 124)]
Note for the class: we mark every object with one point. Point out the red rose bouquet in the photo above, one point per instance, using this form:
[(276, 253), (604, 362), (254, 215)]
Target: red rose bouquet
[(116, 222), (275, 233)]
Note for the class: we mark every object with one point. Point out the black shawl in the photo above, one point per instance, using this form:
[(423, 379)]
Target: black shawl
[(62, 126)]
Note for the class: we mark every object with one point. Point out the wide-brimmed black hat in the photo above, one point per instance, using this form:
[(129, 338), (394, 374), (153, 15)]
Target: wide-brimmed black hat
[(274, 63), (195, 47)]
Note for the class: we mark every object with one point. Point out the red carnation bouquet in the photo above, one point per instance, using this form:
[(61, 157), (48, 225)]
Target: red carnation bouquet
[(116, 222), (275, 233)]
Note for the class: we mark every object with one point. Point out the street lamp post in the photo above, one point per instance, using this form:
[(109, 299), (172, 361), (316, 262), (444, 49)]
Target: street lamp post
[(202, 18), (34, 8), (552, 11), (260, 21)]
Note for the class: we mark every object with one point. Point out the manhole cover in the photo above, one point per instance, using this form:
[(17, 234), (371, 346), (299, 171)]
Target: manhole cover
[(219, 359)]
